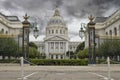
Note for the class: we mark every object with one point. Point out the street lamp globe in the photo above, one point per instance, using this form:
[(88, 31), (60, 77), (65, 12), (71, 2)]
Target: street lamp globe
[(36, 32), (81, 33)]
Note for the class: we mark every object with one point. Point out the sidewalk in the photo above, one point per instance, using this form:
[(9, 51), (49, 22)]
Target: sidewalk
[(98, 67)]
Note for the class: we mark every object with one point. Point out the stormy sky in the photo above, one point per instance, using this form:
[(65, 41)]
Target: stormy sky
[(74, 12)]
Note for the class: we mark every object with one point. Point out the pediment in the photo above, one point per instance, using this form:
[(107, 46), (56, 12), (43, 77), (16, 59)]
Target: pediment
[(56, 38)]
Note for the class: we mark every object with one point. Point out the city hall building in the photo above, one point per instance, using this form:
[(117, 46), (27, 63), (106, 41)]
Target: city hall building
[(56, 42)]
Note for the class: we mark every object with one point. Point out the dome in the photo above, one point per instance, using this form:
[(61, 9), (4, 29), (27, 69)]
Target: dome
[(56, 19)]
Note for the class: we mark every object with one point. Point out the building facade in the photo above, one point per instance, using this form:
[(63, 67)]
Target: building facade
[(106, 27), (10, 25), (56, 42)]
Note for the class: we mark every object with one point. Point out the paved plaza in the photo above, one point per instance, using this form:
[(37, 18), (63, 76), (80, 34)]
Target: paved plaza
[(91, 72)]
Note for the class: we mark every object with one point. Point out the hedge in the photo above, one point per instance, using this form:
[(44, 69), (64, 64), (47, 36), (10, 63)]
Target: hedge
[(59, 62), (9, 61)]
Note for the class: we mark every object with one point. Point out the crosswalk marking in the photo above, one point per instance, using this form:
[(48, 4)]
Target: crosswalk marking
[(104, 77)]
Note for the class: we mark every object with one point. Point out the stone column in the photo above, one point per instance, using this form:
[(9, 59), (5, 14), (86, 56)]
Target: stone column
[(49, 56), (66, 48), (54, 56), (54, 47), (46, 50), (118, 58), (64, 56), (48, 46), (51, 49), (59, 56), (59, 47)]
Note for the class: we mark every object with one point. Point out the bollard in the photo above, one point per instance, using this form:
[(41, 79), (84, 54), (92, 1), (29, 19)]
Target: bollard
[(108, 62), (22, 72)]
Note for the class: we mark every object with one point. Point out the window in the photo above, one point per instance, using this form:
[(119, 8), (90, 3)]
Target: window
[(61, 47), (52, 31), (70, 47), (52, 45), (64, 32), (49, 31), (110, 32), (56, 47), (51, 56), (56, 56), (61, 56), (115, 31), (2, 30), (56, 44), (74, 47), (106, 33), (60, 31), (6, 32), (56, 31)]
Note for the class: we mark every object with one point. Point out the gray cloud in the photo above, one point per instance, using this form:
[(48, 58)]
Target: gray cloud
[(75, 8), (42, 10), (83, 8)]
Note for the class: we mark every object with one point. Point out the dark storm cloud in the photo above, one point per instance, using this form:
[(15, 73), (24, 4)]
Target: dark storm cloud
[(75, 8), (70, 9), (101, 2), (37, 9), (32, 5), (83, 8), (58, 3)]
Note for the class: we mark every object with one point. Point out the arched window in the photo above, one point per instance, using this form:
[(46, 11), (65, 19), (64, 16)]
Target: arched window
[(110, 32), (2, 30), (6, 32), (106, 33), (115, 31)]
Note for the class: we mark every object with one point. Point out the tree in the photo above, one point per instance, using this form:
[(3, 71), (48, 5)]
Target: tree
[(83, 54), (70, 54), (33, 50), (110, 48), (31, 44), (80, 47), (8, 47), (34, 53)]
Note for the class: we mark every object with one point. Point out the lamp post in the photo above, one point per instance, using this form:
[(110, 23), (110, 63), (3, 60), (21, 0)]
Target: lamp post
[(25, 36), (35, 29), (91, 40)]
